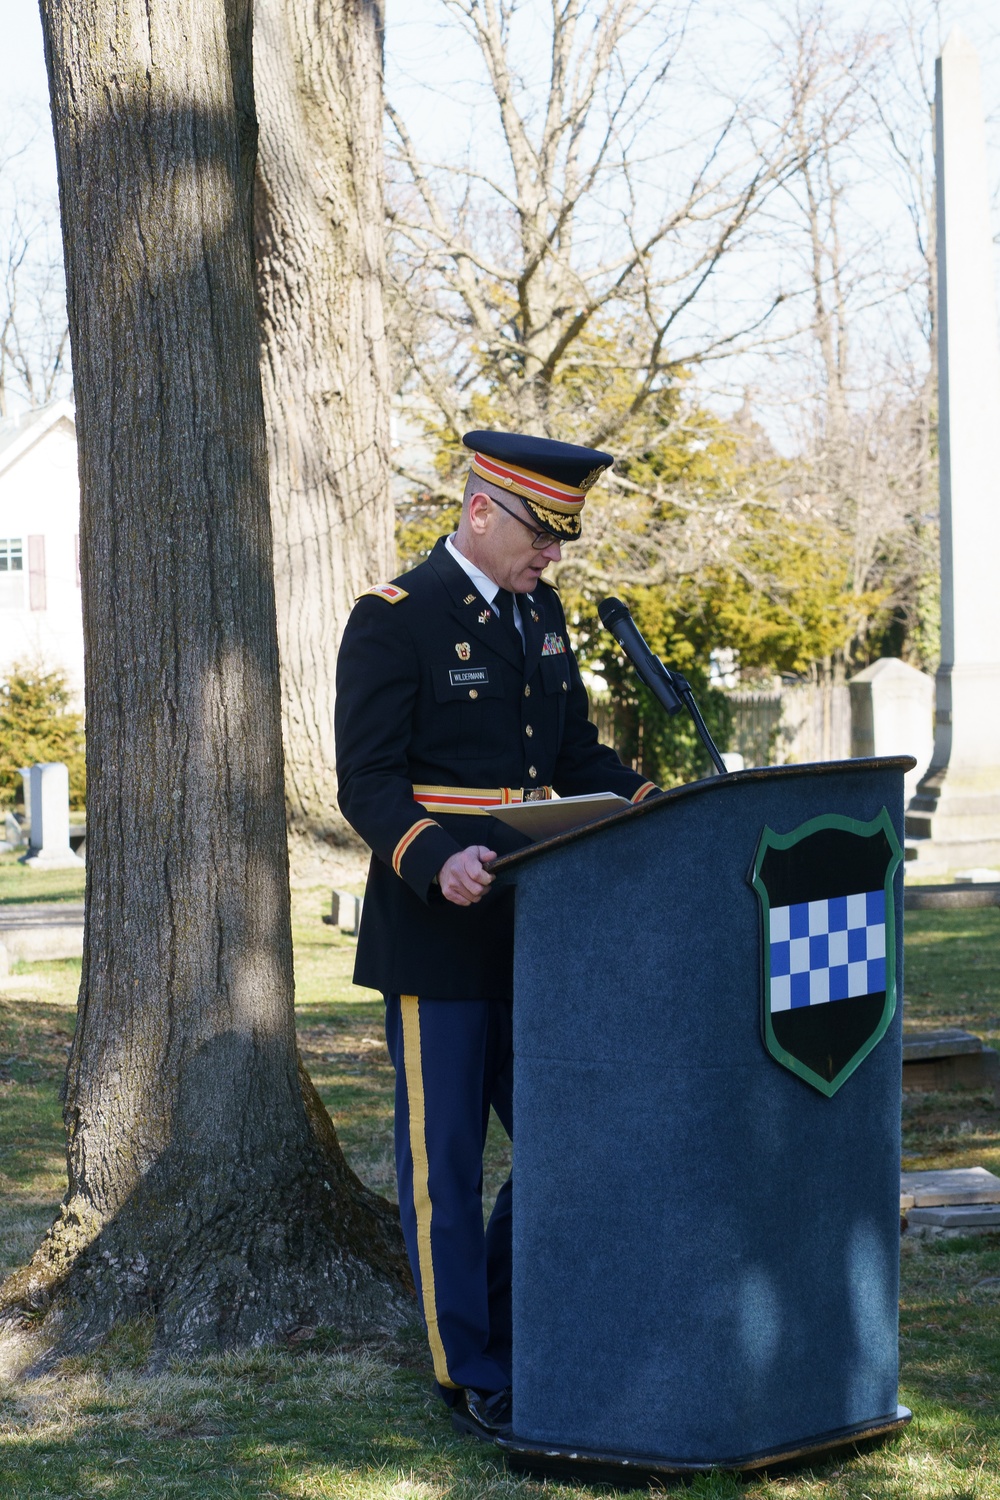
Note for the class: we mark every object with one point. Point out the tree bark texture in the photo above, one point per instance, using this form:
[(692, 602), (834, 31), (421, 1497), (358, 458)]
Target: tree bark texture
[(206, 1187), (320, 271)]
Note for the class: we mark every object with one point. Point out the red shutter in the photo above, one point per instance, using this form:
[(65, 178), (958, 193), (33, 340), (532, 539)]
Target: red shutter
[(36, 572)]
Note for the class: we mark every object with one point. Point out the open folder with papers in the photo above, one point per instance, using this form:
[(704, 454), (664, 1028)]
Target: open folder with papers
[(542, 820)]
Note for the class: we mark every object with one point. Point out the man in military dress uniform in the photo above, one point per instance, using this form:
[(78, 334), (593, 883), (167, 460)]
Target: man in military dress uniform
[(457, 691)]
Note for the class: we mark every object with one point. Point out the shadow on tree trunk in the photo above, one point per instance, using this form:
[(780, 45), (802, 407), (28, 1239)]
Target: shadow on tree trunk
[(207, 1192), (217, 1258)]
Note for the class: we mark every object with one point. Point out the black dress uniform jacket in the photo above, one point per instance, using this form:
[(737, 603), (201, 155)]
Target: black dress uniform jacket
[(435, 690)]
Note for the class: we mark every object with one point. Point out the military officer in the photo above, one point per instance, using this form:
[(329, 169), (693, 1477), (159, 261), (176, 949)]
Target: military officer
[(457, 691)]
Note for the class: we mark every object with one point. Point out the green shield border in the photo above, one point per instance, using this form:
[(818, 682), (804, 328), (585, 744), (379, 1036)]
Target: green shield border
[(771, 840)]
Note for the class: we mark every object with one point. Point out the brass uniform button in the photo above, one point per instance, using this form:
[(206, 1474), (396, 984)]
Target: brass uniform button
[(532, 772), (565, 689), (473, 693), (528, 730), (527, 691)]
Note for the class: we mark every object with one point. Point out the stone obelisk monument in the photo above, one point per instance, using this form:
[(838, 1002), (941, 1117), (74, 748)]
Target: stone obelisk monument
[(954, 819)]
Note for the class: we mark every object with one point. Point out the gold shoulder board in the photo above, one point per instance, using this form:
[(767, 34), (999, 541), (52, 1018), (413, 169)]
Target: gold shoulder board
[(387, 591)]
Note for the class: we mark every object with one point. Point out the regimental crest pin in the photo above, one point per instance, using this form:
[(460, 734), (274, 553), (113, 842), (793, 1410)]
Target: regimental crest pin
[(828, 942), (535, 616), (463, 649)]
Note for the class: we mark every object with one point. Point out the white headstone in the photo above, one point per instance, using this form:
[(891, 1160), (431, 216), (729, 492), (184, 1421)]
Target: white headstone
[(956, 814), (12, 836), (892, 713), (46, 792)]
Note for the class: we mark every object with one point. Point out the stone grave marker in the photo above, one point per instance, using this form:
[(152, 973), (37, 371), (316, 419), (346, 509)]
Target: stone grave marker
[(345, 912), (46, 794), (944, 1204), (949, 1059), (892, 713)]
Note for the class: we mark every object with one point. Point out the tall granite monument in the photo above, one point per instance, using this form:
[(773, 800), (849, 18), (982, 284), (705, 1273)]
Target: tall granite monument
[(954, 819)]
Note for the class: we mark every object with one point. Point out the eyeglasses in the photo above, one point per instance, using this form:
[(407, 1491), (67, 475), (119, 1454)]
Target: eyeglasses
[(539, 539)]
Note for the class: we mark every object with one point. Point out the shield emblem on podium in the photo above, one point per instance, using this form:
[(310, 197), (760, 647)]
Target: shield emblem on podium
[(829, 943)]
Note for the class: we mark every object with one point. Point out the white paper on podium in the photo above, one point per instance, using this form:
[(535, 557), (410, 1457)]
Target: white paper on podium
[(543, 820)]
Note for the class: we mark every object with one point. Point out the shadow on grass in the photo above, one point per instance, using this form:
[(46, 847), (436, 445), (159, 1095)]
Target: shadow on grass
[(324, 1420)]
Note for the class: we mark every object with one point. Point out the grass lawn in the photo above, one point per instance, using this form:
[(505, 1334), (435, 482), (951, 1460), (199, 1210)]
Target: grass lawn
[(320, 1420), (19, 885)]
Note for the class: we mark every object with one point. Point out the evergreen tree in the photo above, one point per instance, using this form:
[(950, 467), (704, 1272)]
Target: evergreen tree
[(38, 724)]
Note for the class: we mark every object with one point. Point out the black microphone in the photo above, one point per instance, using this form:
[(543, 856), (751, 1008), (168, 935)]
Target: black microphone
[(616, 618), (673, 690)]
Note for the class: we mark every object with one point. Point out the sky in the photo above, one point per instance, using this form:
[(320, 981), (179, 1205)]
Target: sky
[(23, 85), (427, 73), (418, 62), (417, 69), (424, 62), (436, 83)]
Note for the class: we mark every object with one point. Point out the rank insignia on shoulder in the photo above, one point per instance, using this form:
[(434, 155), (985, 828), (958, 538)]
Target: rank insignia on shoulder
[(486, 615), (464, 650), (387, 591), (469, 599), (553, 644)]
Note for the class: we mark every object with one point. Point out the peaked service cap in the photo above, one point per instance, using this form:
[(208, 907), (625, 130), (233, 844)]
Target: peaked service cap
[(551, 478)]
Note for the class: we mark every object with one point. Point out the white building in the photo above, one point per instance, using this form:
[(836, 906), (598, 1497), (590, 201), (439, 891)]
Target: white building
[(40, 614)]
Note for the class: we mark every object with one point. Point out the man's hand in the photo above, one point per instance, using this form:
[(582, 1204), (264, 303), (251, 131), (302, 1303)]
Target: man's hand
[(462, 878)]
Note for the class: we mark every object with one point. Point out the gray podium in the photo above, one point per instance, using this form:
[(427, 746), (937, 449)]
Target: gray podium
[(706, 1165)]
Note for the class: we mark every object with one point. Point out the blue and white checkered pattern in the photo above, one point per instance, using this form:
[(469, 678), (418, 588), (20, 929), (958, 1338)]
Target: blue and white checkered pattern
[(827, 950)]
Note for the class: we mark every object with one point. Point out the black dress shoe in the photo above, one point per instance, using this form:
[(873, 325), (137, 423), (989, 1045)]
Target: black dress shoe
[(483, 1416)]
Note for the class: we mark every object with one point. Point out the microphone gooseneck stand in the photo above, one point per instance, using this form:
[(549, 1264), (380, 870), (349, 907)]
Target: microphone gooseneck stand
[(670, 688)]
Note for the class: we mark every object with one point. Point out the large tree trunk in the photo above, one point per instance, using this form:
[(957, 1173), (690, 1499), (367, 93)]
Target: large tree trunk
[(320, 270), (206, 1188)]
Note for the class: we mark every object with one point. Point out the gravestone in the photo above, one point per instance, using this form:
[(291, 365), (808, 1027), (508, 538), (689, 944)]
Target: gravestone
[(46, 794), (937, 1189), (892, 713), (949, 1059), (970, 896), (42, 930), (13, 838), (954, 818), (950, 1203), (954, 1221), (345, 912)]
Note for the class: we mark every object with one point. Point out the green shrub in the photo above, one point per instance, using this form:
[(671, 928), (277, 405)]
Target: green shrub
[(37, 724)]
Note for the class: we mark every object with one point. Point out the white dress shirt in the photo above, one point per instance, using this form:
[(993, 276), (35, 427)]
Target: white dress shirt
[(484, 584)]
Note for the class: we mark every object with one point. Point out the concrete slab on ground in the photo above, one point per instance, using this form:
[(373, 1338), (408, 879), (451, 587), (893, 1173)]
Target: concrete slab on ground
[(41, 930), (948, 1059), (960, 1185), (952, 897), (951, 1222)]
